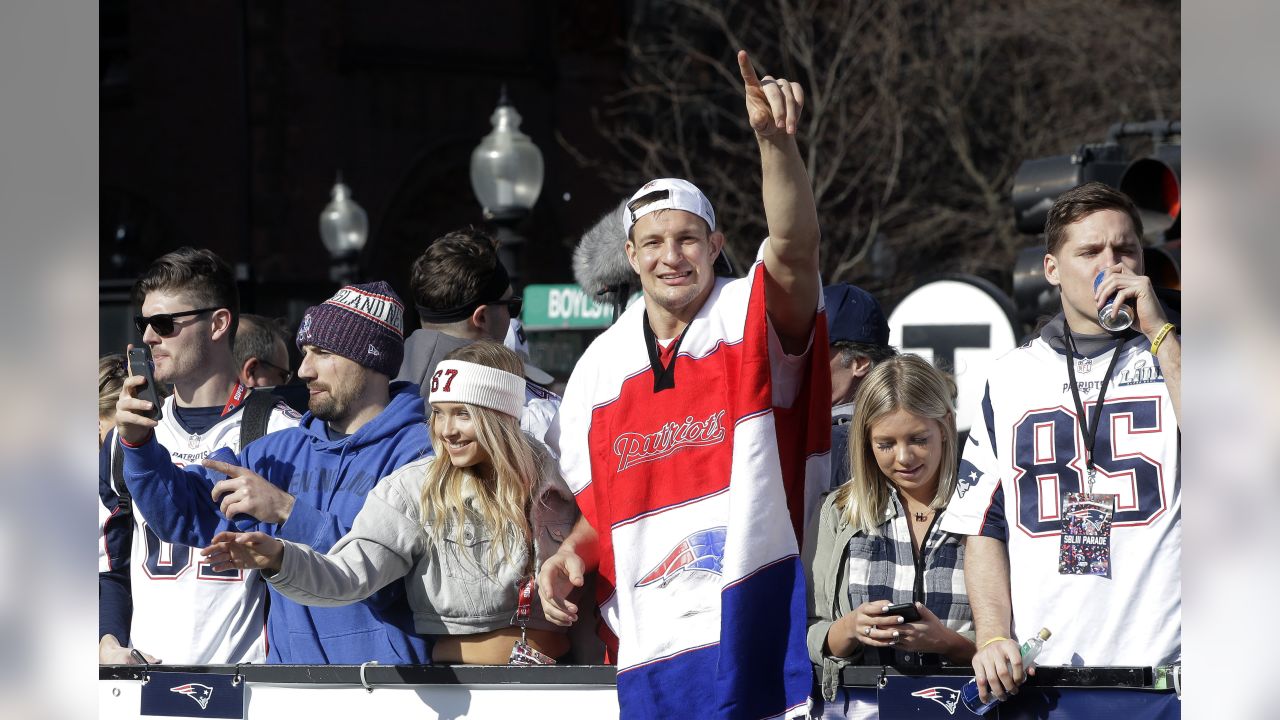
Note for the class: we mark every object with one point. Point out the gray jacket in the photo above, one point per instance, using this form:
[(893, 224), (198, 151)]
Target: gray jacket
[(450, 586), (824, 544)]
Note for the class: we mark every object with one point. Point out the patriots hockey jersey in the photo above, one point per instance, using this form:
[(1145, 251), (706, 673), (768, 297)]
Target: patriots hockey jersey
[(1026, 452), (698, 493), (183, 611)]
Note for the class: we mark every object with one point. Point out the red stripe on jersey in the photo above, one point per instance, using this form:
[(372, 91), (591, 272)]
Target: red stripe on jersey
[(804, 429)]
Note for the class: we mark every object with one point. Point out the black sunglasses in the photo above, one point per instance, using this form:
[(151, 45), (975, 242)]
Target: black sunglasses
[(163, 322), (513, 303), (288, 375)]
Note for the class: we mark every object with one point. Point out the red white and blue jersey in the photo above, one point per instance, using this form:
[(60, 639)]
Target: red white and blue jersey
[(1026, 451), (699, 493), (183, 611)]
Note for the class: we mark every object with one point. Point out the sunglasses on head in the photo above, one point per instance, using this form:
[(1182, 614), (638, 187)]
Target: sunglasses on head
[(162, 323), (513, 303)]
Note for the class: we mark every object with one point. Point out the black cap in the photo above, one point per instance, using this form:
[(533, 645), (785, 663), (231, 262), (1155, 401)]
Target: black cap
[(854, 315)]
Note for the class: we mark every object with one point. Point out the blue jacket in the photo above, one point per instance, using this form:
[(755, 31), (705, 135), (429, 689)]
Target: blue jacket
[(330, 479)]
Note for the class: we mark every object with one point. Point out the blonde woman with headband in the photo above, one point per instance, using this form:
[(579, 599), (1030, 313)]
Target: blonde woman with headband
[(466, 529), (877, 542)]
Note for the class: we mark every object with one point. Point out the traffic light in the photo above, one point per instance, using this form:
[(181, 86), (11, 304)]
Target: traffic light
[(1153, 182), (1033, 296), (1040, 181)]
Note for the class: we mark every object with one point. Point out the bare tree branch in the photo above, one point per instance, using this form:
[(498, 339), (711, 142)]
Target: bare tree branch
[(917, 113)]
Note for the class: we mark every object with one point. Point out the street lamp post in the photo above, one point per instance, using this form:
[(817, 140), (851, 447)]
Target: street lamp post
[(506, 177), (344, 227)]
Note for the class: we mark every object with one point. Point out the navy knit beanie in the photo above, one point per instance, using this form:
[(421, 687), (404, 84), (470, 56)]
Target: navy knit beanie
[(362, 323)]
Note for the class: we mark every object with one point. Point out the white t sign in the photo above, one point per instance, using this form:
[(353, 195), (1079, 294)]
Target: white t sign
[(960, 324)]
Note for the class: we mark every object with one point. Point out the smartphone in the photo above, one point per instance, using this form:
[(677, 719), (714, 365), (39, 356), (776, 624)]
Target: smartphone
[(140, 364), (908, 612)]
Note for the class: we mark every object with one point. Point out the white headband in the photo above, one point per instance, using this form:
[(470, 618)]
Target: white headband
[(466, 382)]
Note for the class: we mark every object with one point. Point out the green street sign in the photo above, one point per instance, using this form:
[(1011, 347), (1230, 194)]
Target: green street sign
[(557, 307)]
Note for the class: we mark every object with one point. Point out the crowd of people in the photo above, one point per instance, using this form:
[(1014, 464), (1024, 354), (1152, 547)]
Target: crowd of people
[(744, 489)]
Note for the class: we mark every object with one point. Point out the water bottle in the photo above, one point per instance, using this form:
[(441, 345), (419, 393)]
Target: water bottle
[(1113, 317), (969, 693)]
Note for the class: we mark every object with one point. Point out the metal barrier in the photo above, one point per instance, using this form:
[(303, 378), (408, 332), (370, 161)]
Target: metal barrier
[(585, 691)]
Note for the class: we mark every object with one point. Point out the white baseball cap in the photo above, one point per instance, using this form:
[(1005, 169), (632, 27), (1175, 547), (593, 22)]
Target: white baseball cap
[(679, 195)]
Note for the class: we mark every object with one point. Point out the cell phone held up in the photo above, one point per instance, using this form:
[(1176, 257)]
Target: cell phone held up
[(908, 612), (140, 363)]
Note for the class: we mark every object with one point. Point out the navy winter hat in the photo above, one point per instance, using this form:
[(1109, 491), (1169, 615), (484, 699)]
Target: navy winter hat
[(362, 323), (854, 315)]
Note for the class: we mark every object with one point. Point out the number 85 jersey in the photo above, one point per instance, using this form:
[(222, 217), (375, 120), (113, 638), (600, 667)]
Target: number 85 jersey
[(1026, 451)]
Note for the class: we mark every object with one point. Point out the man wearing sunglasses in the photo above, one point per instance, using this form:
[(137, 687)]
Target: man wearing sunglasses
[(156, 596), (462, 294), (261, 352), (308, 483)]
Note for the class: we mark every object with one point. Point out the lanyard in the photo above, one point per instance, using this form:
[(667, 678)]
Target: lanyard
[(524, 603), (237, 396), (524, 590), (1089, 430)]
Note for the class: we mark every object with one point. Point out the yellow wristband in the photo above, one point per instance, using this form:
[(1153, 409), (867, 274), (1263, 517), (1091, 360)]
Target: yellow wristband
[(1155, 344), (998, 638)]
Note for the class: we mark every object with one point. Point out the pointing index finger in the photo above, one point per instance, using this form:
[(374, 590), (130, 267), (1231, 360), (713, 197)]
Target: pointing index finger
[(748, 72), (222, 467)]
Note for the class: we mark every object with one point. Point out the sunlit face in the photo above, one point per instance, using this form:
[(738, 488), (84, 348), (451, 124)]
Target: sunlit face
[(908, 449), (673, 253), (182, 355), (454, 424), (333, 381), (1097, 242)]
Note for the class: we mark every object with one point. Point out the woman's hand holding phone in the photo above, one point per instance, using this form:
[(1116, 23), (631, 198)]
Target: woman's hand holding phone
[(928, 634)]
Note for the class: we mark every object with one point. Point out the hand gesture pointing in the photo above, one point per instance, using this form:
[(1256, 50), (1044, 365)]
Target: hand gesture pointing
[(246, 492), (247, 551), (773, 104)]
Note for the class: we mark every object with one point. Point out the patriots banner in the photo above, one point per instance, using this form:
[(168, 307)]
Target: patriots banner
[(192, 695)]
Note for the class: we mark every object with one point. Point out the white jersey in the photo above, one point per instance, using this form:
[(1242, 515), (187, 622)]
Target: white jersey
[(1026, 451), (183, 611)]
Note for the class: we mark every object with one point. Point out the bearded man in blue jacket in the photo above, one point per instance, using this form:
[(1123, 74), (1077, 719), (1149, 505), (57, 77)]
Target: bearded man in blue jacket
[(307, 483)]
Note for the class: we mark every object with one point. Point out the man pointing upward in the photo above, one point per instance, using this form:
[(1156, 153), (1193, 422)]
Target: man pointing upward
[(685, 430)]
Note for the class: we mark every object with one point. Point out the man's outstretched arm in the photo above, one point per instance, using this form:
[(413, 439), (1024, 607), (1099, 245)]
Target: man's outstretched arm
[(774, 106)]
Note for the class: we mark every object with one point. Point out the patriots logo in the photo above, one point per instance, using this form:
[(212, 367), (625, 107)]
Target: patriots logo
[(195, 691), (1091, 518), (968, 477), (702, 551), (944, 696)]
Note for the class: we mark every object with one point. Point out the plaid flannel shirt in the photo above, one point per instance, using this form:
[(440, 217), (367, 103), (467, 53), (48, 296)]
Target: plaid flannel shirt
[(881, 566)]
